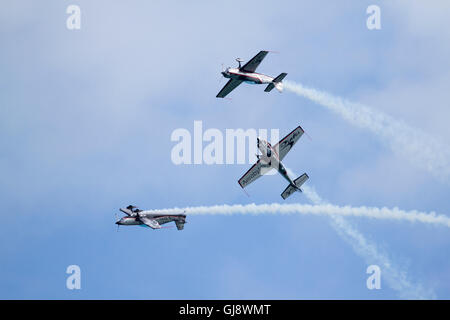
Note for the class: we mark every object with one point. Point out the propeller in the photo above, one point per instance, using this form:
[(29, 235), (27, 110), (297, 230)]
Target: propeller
[(138, 217), (246, 192), (221, 75), (117, 220), (308, 136)]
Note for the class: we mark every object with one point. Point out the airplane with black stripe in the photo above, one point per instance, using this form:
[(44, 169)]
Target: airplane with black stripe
[(270, 158), (152, 219), (246, 73)]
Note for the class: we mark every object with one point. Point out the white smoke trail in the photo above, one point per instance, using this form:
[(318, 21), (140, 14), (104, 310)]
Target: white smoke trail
[(421, 148), (394, 276), (396, 279), (424, 150), (321, 209)]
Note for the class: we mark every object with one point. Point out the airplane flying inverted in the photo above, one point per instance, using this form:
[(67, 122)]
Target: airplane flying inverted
[(271, 157), (151, 219), (246, 73)]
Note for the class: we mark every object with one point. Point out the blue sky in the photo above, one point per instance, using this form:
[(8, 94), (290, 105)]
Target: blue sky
[(86, 118)]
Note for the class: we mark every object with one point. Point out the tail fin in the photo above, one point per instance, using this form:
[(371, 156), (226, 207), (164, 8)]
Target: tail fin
[(180, 224), (180, 221), (298, 183), (276, 83)]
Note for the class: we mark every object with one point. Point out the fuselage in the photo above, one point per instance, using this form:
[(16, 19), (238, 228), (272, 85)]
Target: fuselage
[(249, 77), (129, 221), (162, 219), (270, 159)]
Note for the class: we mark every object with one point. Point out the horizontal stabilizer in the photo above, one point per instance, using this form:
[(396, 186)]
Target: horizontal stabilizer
[(269, 87), (301, 180), (280, 77), (288, 191), (276, 83), (291, 189)]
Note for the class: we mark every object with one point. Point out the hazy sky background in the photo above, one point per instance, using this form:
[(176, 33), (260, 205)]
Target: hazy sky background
[(85, 124)]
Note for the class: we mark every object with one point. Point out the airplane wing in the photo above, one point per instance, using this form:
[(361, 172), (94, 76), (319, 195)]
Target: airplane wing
[(130, 210), (286, 144), (152, 223), (251, 175), (254, 62), (230, 86)]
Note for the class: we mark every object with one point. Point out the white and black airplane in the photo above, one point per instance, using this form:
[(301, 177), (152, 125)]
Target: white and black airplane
[(150, 219), (271, 157), (246, 73)]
